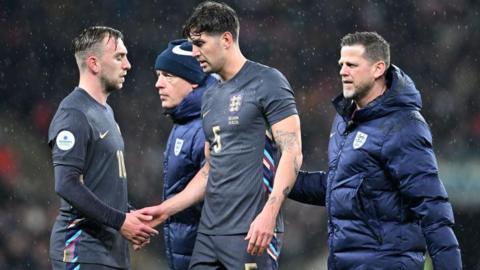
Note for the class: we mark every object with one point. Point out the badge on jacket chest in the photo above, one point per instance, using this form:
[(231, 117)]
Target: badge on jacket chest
[(178, 146), (359, 140)]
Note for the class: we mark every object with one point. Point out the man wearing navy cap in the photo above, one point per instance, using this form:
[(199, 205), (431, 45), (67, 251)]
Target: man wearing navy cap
[(181, 84)]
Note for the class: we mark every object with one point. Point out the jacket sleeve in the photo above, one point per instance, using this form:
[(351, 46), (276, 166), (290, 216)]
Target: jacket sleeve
[(310, 188), (409, 159), (198, 149)]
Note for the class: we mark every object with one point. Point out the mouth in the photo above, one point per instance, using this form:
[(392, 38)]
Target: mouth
[(202, 63)]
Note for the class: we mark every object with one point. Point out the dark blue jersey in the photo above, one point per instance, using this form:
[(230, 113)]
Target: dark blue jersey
[(236, 115), (84, 134)]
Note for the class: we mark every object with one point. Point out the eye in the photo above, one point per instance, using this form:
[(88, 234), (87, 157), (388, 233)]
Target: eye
[(198, 43)]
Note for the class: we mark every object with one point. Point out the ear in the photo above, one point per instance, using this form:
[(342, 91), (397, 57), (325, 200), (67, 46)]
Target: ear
[(379, 69), (227, 39), (93, 64), (194, 85)]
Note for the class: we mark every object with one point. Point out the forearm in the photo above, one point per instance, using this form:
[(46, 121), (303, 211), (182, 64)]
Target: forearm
[(288, 138), (310, 188), (444, 249), (285, 177), (71, 189), (437, 226)]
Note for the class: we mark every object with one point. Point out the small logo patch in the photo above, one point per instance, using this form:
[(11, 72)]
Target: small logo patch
[(359, 140), (104, 134), (178, 146), (179, 51), (235, 103), (65, 140)]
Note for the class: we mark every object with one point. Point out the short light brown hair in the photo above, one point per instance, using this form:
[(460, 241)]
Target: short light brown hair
[(89, 40), (376, 47)]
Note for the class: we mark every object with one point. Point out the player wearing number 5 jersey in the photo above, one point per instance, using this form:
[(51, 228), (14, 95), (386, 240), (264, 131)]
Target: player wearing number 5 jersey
[(240, 226), (88, 159)]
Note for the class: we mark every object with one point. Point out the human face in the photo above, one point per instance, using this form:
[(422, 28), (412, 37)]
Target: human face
[(172, 89), (209, 52), (114, 64), (357, 72)]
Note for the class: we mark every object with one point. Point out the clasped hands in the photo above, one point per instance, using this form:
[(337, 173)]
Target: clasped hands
[(139, 225)]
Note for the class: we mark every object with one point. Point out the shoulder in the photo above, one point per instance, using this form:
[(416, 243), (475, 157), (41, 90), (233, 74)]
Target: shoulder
[(72, 116), (403, 122), (265, 72), (75, 100), (67, 119), (408, 128)]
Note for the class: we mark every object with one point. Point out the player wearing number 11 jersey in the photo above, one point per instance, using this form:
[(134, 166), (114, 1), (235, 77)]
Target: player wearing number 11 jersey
[(87, 152)]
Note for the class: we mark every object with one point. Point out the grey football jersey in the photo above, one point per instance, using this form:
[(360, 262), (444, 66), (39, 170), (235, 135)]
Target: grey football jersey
[(84, 134), (235, 115)]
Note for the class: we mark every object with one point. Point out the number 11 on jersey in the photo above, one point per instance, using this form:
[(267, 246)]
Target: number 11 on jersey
[(218, 143)]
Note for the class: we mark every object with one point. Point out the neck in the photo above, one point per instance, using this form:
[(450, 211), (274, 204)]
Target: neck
[(233, 64), (379, 87), (94, 88)]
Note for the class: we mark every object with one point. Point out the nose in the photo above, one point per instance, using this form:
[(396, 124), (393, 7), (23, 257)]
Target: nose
[(195, 51), (343, 70), (126, 64)]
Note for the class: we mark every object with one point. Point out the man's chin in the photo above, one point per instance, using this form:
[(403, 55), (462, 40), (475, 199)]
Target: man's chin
[(348, 93), (114, 87)]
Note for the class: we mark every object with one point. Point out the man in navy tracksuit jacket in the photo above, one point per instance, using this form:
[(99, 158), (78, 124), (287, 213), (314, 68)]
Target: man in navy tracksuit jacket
[(385, 202), (181, 84)]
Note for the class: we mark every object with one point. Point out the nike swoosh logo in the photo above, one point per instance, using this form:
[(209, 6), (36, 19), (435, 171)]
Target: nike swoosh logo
[(205, 113), (179, 51), (104, 134)]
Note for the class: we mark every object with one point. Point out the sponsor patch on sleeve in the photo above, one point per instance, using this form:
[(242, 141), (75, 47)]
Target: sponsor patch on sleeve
[(65, 140)]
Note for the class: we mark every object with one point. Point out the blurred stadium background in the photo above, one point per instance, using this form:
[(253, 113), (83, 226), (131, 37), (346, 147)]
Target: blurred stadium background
[(434, 41)]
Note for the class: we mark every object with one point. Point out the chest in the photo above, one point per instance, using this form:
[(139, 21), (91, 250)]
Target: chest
[(356, 151), (233, 112), (106, 135)]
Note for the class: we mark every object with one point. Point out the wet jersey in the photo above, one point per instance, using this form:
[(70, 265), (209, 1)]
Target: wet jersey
[(236, 115), (85, 135)]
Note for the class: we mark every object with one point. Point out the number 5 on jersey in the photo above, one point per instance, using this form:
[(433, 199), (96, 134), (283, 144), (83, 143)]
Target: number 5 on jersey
[(217, 140)]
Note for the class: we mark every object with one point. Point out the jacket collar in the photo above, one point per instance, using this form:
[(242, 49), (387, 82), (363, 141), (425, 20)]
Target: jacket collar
[(191, 105)]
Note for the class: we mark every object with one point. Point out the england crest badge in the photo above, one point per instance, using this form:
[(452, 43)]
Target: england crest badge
[(359, 140), (178, 146), (235, 103)]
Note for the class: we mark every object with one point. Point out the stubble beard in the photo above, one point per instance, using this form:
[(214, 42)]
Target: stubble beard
[(111, 85), (358, 92)]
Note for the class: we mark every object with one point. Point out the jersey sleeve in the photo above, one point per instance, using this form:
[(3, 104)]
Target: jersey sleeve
[(276, 97), (69, 135)]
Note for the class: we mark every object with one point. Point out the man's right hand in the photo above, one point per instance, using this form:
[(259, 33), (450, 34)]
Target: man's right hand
[(158, 213), (134, 228)]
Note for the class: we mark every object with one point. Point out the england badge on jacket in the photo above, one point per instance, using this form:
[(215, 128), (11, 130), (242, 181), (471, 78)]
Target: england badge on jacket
[(359, 140), (178, 146)]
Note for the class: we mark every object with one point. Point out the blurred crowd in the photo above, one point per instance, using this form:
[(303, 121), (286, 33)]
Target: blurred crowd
[(433, 41)]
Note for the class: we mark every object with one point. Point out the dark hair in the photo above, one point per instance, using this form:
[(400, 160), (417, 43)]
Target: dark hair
[(213, 18), (376, 47), (92, 36)]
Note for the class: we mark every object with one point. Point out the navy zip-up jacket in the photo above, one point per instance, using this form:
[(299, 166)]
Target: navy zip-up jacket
[(183, 158), (384, 199)]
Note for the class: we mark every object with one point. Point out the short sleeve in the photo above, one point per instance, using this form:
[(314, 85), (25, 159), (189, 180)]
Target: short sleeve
[(276, 96), (68, 137)]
